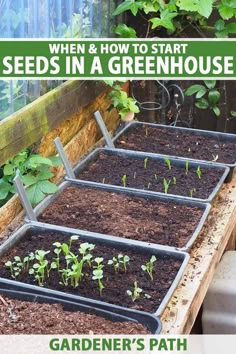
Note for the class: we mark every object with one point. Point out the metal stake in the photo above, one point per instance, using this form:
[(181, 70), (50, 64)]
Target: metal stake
[(104, 130), (24, 199), (61, 152)]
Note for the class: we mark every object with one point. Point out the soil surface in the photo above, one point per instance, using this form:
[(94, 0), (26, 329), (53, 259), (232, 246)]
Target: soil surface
[(149, 174), (118, 214), (115, 284), (172, 142), (20, 317)]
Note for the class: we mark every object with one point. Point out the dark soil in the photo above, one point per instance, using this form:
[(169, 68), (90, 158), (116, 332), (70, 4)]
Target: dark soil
[(117, 214), (110, 169), (20, 317), (116, 284), (172, 142)]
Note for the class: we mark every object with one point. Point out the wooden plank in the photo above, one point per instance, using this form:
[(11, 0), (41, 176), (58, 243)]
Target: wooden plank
[(206, 253), (31, 123)]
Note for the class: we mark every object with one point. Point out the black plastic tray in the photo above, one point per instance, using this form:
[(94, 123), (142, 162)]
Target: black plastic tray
[(132, 192), (222, 136), (121, 244), (126, 154), (152, 323)]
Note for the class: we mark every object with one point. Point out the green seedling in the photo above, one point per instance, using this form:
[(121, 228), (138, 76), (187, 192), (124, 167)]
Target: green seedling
[(40, 270), (56, 260), (124, 178), (98, 273), (149, 185), (135, 293), (174, 180), (166, 185), (145, 163), (14, 272), (65, 276), (146, 131), (186, 167), (199, 172), (84, 250), (119, 262), (148, 267), (103, 180), (135, 174), (192, 191), (155, 176), (168, 163)]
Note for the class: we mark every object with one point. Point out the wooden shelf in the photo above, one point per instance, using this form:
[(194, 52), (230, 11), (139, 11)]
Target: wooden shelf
[(217, 236)]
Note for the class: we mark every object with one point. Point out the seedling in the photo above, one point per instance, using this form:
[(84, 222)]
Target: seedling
[(186, 167), (155, 176), (199, 172), (84, 250), (14, 272), (40, 270), (174, 180), (135, 174), (119, 262), (146, 131), (149, 185), (145, 163), (135, 294), (192, 191), (166, 185), (215, 158), (124, 178), (103, 180), (148, 267), (168, 163), (98, 273)]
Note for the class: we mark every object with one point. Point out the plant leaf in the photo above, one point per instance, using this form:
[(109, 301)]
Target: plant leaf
[(125, 32), (193, 89), (210, 83), (47, 187), (4, 189), (213, 97), (216, 110), (165, 20), (202, 103), (230, 3), (201, 93), (128, 5), (34, 194), (225, 12), (219, 25)]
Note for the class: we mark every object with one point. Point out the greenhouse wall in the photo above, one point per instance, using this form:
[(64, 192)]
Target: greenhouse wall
[(47, 19)]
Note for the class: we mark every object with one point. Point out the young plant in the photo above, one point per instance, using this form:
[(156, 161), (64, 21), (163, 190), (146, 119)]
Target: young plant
[(174, 180), (135, 174), (186, 167), (124, 178), (192, 191), (119, 262), (98, 273), (40, 270), (85, 250), (145, 163), (149, 185), (13, 270), (155, 176), (168, 163), (166, 185), (148, 267), (135, 293), (199, 172)]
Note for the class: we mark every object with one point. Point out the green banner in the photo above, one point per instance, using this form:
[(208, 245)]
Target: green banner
[(103, 58)]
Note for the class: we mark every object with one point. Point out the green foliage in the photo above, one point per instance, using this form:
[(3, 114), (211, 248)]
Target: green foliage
[(186, 167), (119, 263), (199, 172), (121, 101), (135, 293), (168, 163), (166, 185), (206, 95), (124, 31), (34, 171), (148, 266), (145, 163), (124, 179), (98, 273)]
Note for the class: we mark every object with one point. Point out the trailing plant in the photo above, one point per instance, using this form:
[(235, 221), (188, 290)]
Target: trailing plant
[(119, 263), (136, 292), (206, 95), (34, 171), (98, 273), (148, 266), (176, 15), (166, 185)]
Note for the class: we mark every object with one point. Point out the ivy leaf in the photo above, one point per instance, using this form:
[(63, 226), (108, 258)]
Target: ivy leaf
[(128, 5), (193, 89), (213, 97), (165, 20), (225, 12), (149, 7), (125, 32), (202, 103), (203, 7), (187, 5)]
